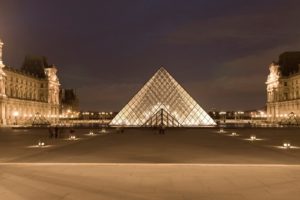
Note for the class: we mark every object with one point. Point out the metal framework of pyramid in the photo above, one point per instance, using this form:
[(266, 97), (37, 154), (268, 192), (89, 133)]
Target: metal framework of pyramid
[(162, 102)]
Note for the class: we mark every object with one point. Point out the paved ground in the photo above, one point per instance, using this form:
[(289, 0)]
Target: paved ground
[(146, 146), (150, 182), (140, 164)]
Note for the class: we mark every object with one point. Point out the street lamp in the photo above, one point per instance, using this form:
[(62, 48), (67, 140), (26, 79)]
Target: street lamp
[(223, 115), (16, 114)]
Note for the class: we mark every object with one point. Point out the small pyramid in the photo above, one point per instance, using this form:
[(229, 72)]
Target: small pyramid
[(160, 119), (162, 94)]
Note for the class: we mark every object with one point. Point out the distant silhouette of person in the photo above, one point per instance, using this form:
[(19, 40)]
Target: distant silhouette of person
[(61, 131), (162, 130), (56, 132), (154, 128), (72, 131), (50, 132)]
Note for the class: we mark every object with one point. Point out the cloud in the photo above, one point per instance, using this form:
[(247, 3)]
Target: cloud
[(240, 83), (109, 97), (244, 44), (226, 92), (249, 29), (257, 62), (219, 50)]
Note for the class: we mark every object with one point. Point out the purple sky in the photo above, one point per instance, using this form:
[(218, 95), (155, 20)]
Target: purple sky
[(218, 50)]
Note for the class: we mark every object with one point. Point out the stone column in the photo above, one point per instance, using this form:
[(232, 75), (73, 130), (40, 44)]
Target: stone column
[(2, 73), (1, 46), (2, 90)]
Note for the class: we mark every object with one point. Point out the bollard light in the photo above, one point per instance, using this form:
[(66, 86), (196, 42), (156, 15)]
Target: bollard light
[(41, 144), (287, 145), (253, 137), (103, 130), (72, 137), (91, 133)]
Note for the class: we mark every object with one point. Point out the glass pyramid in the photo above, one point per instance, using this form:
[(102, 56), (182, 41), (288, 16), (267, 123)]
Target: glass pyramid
[(162, 102)]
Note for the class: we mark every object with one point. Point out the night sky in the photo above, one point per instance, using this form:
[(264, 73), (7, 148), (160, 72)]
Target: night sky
[(218, 50)]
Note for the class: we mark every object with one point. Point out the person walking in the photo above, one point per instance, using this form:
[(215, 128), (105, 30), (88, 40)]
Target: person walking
[(72, 131), (163, 130), (50, 132), (56, 131)]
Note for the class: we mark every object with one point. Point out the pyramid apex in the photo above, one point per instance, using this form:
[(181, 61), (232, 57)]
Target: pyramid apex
[(162, 68)]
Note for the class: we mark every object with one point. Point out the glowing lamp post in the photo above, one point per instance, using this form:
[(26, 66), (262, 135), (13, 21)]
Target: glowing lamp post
[(223, 116), (16, 114)]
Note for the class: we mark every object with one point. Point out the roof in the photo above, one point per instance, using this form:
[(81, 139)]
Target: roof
[(21, 72), (289, 62)]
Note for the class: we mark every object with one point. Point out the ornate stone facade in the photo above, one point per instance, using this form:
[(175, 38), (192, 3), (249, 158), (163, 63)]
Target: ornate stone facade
[(283, 94), (24, 96)]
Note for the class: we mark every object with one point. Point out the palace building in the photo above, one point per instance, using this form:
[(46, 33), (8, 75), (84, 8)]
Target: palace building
[(283, 89), (162, 102), (28, 94), (69, 103)]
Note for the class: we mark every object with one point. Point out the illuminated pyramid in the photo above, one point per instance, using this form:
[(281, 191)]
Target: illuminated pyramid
[(162, 102)]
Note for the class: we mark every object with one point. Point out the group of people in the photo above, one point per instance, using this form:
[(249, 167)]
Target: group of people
[(56, 132), (161, 130)]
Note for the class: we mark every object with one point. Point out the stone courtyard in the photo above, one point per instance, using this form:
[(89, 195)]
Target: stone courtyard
[(142, 164)]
